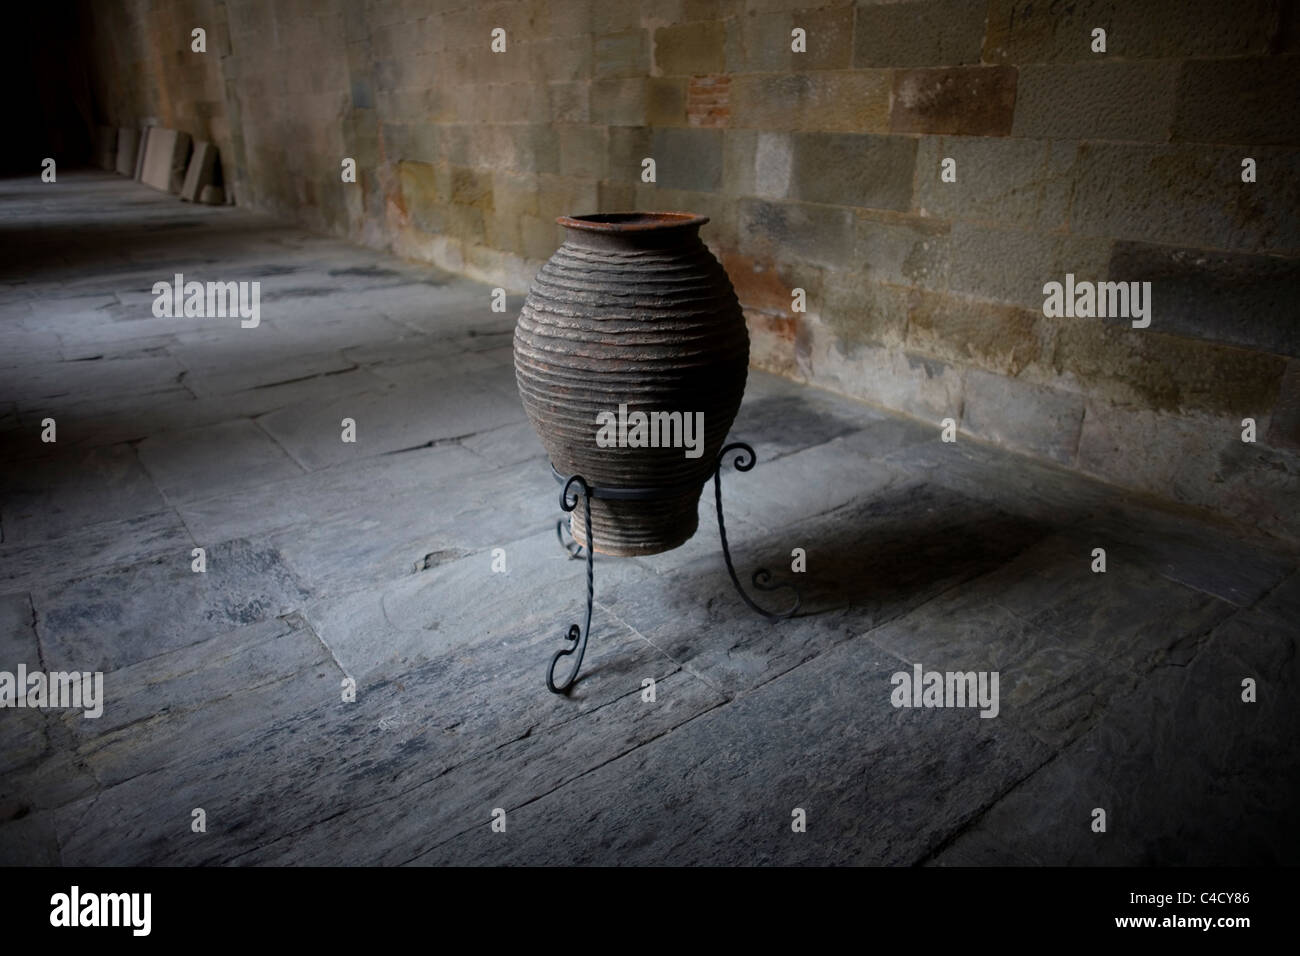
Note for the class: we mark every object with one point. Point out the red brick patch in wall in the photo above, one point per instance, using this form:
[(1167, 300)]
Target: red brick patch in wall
[(708, 100)]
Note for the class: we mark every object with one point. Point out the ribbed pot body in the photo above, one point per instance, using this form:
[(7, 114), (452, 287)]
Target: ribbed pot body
[(632, 310)]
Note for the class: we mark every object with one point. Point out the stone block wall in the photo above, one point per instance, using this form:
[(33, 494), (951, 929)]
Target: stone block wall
[(823, 170), (142, 71)]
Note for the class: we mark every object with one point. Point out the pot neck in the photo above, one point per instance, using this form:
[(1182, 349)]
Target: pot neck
[(633, 231)]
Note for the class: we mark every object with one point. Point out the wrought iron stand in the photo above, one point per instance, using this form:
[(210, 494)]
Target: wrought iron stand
[(575, 487)]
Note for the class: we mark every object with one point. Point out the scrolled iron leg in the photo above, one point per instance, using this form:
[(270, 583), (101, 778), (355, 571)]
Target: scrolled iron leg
[(571, 547), (762, 577), (576, 636)]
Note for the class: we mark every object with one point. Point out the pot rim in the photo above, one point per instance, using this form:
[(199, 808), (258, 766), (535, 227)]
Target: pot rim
[(619, 222)]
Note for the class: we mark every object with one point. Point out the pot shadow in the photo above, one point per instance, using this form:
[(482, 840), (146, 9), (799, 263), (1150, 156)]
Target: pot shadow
[(907, 543), (867, 562)]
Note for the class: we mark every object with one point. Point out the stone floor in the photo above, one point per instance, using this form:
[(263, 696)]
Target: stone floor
[(373, 560)]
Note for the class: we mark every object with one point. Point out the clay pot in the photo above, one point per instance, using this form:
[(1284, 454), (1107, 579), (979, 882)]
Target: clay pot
[(632, 310)]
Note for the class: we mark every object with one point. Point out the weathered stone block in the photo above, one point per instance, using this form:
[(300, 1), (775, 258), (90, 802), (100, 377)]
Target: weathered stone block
[(583, 151), (471, 187), (1188, 195), (739, 149), (968, 101), (201, 171), (166, 155), (569, 102), (1256, 484), (572, 18), (563, 58), (822, 235), (887, 376), (399, 144), (534, 149), (852, 169), (763, 43), (502, 232), (418, 185), (999, 338), (362, 92), (924, 33), (1010, 265), (665, 101), (687, 48), (1029, 418), (688, 158), (421, 142), (468, 224), (508, 102), (773, 342), (830, 38), (628, 146), (763, 286), (616, 102), (128, 146), (1167, 373), (610, 17), (453, 144), (538, 237), (1221, 296), (1014, 181), (903, 250), (563, 196), (773, 165), (1039, 33), (862, 312), (616, 196), (1154, 451), (140, 152), (1099, 100), (513, 194), (623, 54), (849, 101), (1239, 101)]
